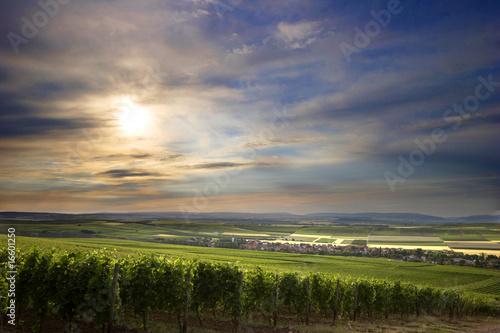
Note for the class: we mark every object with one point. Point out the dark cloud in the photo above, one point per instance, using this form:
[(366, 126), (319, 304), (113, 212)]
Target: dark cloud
[(119, 156), (377, 99), (223, 165), (217, 165), (10, 105), (140, 155), (49, 90), (172, 157), (123, 173), (29, 126)]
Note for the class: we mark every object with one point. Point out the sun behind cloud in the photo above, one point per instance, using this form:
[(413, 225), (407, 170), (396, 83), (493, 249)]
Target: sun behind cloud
[(133, 118)]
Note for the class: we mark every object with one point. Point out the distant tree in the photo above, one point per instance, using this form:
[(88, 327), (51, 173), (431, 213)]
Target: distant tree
[(477, 262)]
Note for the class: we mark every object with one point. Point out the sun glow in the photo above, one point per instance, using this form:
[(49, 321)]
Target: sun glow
[(133, 118)]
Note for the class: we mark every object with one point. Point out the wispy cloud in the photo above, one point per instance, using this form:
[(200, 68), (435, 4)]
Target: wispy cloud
[(298, 35), (225, 165), (124, 173)]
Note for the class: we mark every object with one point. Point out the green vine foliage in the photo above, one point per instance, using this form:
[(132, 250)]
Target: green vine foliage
[(259, 289), (138, 281), (292, 292), (170, 285), (321, 287), (380, 297), (69, 284), (217, 286), (33, 283), (99, 287)]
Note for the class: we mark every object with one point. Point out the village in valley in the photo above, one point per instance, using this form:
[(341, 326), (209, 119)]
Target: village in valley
[(440, 257)]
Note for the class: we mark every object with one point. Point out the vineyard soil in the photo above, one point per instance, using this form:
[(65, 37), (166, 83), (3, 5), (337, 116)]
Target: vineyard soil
[(223, 325)]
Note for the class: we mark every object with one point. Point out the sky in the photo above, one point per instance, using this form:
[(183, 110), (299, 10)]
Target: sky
[(250, 106)]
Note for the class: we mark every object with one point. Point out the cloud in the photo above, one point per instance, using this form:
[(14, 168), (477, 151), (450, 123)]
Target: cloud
[(172, 157), (245, 49), (124, 173), (224, 165), (32, 126), (298, 35), (124, 156), (292, 139)]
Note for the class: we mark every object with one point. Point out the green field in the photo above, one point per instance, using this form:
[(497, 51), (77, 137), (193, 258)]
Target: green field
[(463, 278), (325, 240)]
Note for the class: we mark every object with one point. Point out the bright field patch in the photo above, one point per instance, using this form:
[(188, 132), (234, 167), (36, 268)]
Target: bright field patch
[(244, 234), (469, 251), (411, 246), (303, 237), (474, 245), (404, 239), (325, 240)]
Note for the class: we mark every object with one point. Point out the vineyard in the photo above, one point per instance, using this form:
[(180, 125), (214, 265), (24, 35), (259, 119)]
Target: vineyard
[(100, 287)]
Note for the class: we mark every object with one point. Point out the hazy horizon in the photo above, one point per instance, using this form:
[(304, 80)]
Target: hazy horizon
[(189, 214), (250, 106)]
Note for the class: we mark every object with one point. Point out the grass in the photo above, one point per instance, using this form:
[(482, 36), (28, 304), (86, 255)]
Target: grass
[(325, 240), (358, 242)]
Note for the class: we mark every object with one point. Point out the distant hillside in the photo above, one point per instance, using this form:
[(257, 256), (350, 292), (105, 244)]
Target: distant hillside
[(343, 218), (387, 217)]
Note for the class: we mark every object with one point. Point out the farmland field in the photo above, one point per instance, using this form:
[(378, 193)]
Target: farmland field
[(474, 245), (416, 239), (428, 242), (407, 246), (325, 240)]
